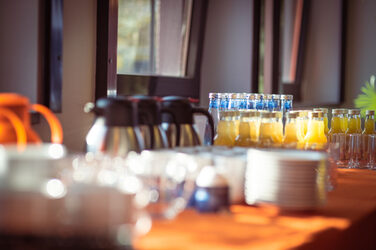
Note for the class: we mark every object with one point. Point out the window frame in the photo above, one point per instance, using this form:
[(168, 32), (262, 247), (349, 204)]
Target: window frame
[(272, 62), (107, 79)]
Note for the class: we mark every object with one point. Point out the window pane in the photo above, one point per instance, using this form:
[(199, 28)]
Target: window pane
[(153, 37)]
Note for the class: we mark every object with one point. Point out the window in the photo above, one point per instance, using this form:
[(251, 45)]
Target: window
[(153, 37), (154, 47)]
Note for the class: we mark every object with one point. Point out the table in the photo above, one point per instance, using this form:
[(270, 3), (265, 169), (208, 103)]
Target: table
[(348, 221)]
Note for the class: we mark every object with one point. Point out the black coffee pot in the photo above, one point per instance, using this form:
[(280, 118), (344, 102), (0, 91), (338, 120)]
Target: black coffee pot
[(178, 122)]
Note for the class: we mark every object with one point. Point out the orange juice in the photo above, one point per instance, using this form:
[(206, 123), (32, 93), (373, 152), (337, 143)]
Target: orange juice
[(353, 126), (271, 133), (325, 118), (234, 125), (315, 138), (225, 130), (244, 137), (369, 123), (302, 123), (335, 124), (344, 120), (290, 139), (254, 126)]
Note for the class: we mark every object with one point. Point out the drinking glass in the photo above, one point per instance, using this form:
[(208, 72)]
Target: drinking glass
[(334, 151), (339, 139), (170, 178), (370, 152), (354, 150)]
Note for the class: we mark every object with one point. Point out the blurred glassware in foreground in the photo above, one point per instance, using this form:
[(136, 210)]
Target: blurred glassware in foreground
[(81, 202), (169, 176)]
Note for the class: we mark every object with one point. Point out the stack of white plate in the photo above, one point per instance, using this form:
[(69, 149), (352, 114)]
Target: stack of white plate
[(290, 179)]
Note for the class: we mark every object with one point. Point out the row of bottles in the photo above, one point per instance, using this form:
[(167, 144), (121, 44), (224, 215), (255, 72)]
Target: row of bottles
[(303, 129), (350, 122), (219, 102), (265, 129)]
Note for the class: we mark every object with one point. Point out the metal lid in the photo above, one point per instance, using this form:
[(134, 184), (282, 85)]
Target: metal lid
[(267, 114), (269, 96), (245, 114), (339, 111), (370, 112), (287, 97), (214, 95), (235, 112), (240, 95), (302, 113), (324, 110), (354, 111), (292, 114), (225, 113), (315, 114), (249, 113), (276, 97), (237, 95), (251, 96)]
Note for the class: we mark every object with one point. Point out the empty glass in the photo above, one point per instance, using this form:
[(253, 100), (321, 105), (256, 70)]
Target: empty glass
[(340, 139), (170, 178), (334, 153), (369, 152), (354, 150)]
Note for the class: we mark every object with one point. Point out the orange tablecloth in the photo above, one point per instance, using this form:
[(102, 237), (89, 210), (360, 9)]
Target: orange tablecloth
[(348, 221)]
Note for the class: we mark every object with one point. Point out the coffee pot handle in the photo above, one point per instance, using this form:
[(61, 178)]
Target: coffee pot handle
[(18, 127), (53, 122), (210, 120), (171, 113)]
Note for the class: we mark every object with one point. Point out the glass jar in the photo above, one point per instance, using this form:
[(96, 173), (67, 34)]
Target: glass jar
[(224, 101), (254, 125), (276, 102), (315, 138), (369, 123), (325, 113), (286, 102), (344, 120), (290, 139), (242, 97), (271, 129), (235, 101), (354, 122), (259, 101), (224, 136), (244, 137), (335, 123), (250, 101), (302, 124)]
